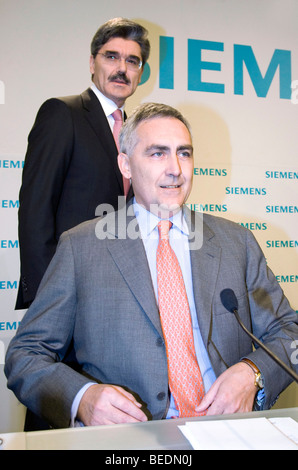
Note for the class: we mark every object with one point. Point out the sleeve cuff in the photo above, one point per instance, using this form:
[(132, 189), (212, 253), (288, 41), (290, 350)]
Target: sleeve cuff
[(75, 405)]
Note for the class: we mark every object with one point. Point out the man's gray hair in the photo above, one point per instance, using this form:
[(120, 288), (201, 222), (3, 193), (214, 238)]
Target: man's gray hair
[(145, 112)]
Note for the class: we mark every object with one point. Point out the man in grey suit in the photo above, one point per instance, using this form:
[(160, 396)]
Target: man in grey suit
[(91, 347)]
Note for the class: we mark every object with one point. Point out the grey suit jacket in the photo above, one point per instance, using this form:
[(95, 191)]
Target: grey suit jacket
[(95, 317)]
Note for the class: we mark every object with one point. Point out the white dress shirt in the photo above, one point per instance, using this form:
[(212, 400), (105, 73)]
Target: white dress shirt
[(107, 105)]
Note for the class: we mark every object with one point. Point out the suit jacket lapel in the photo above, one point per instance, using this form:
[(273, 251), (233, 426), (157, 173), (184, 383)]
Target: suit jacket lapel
[(130, 257), (99, 123)]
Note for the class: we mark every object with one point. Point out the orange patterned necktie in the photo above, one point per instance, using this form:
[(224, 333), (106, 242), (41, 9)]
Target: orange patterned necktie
[(185, 380), (117, 115)]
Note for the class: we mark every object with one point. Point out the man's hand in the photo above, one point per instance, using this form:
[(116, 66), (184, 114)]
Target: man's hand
[(232, 392), (109, 404)]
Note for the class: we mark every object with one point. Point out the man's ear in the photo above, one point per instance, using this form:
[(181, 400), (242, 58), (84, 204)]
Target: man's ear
[(91, 64), (124, 165)]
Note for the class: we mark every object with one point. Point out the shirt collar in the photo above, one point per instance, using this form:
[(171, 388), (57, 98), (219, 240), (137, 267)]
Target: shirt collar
[(108, 105), (148, 221)]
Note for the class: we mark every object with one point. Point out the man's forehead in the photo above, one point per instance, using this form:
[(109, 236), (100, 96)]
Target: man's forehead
[(162, 120), (163, 127), (116, 44)]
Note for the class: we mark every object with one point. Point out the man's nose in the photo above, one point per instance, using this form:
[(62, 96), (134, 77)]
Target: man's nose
[(174, 167), (122, 64)]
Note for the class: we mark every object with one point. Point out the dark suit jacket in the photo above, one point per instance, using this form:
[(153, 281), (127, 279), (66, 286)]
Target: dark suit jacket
[(70, 168)]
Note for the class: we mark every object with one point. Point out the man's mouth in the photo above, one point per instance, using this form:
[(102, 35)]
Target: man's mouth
[(171, 186)]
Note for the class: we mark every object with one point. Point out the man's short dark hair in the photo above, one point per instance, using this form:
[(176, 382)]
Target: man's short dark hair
[(121, 28)]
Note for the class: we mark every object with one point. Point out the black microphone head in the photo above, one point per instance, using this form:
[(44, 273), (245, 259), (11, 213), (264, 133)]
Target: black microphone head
[(229, 300)]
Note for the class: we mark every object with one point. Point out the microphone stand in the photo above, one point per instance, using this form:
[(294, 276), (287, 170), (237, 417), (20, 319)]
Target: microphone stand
[(270, 353)]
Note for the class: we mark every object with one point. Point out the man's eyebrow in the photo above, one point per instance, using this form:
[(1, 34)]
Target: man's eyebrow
[(132, 56), (110, 52), (165, 148), (156, 147), (185, 147)]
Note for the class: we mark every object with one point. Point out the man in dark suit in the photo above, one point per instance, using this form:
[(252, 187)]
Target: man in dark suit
[(100, 302), (71, 161)]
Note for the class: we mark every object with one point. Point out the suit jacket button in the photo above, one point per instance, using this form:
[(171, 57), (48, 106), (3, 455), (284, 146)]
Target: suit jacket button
[(161, 396), (159, 341)]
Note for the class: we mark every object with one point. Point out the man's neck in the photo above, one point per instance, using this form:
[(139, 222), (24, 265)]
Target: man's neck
[(107, 104)]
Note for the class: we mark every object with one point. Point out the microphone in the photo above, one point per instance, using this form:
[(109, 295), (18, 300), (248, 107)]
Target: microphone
[(230, 302)]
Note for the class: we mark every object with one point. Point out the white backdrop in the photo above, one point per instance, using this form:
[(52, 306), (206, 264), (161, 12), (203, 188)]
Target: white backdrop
[(227, 65)]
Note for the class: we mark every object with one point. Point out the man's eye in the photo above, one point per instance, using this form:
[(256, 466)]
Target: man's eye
[(111, 56), (132, 61), (157, 154), (185, 154)]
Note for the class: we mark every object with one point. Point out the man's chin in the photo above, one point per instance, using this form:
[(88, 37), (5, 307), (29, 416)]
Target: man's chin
[(165, 211)]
